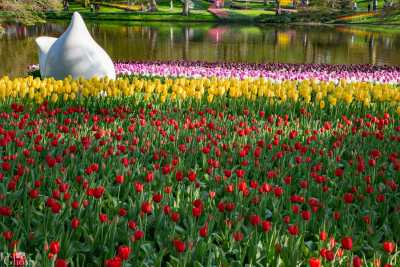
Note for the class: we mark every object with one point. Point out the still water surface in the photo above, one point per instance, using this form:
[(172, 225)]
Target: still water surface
[(207, 42)]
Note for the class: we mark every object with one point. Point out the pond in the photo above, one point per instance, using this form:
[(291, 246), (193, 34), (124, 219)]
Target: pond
[(207, 42)]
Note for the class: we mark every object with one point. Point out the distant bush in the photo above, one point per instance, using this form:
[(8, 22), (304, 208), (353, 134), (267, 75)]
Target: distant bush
[(28, 11)]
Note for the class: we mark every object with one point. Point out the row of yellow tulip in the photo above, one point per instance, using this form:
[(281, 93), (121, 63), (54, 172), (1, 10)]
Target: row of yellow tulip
[(306, 91)]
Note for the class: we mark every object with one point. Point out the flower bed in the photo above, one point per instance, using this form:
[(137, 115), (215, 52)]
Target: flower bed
[(305, 92), (272, 71), (199, 172), (121, 6), (356, 16)]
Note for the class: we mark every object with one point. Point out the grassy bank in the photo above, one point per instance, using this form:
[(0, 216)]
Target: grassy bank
[(335, 17), (378, 18), (199, 13), (164, 13), (252, 12)]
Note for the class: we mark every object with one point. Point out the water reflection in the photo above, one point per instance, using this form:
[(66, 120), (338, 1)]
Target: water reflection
[(300, 44)]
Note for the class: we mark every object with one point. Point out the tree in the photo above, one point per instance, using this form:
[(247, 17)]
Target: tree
[(28, 11), (153, 5), (278, 7), (85, 3), (186, 7), (374, 5)]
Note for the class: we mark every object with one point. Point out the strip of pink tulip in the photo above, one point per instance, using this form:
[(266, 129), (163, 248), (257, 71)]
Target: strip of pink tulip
[(272, 71)]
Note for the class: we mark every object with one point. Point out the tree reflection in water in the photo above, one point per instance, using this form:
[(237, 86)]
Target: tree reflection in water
[(205, 42)]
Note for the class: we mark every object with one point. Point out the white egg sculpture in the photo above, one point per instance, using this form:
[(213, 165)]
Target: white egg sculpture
[(44, 44), (75, 53)]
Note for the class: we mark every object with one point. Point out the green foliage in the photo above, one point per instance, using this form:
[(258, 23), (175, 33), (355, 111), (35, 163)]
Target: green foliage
[(28, 11)]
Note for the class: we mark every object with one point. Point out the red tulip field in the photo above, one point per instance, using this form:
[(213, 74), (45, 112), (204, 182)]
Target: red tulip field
[(232, 182)]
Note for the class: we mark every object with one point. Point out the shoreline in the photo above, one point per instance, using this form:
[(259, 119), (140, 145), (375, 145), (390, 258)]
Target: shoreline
[(198, 18)]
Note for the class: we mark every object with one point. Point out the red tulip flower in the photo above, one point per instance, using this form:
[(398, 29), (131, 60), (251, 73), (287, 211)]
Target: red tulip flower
[(293, 229), (266, 225), (103, 217), (196, 212), (323, 235), (179, 245), (138, 235), (389, 246), (75, 223), (119, 179), (114, 262), (348, 198), (203, 232), (146, 207), (238, 236), (54, 247), (124, 252), (60, 263), (357, 261), (8, 235), (347, 243), (314, 262), (255, 219)]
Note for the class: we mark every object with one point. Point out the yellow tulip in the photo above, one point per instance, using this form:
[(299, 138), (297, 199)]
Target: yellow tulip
[(54, 98), (322, 104)]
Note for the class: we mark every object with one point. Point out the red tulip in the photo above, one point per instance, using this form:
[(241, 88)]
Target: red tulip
[(114, 262), (339, 172), (192, 176), (389, 246), (103, 217), (175, 216), (348, 198), (122, 212), (18, 259), (203, 232), (293, 229), (138, 235), (347, 243), (75, 223), (179, 246), (329, 255), (7, 235), (254, 219), (306, 215), (34, 193), (196, 212), (54, 247), (357, 261), (119, 179), (278, 191), (138, 187), (124, 252), (266, 225), (146, 207), (238, 236), (61, 263), (323, 235), (166, 209), (157, 198), (149, 177), (314, 262)]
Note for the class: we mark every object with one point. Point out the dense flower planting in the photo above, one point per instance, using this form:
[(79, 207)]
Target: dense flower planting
[(199, 172), (272, 71), (305, 91)]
